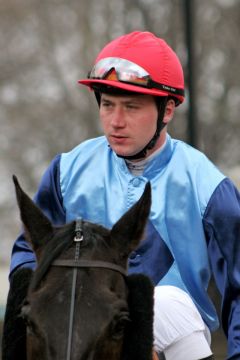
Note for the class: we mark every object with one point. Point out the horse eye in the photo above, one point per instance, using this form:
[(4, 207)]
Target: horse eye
[(25, 310), (118, 325), (26, 318)]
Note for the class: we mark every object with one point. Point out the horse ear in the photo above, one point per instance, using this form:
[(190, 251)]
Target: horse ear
[(129, 229), (36, 225)]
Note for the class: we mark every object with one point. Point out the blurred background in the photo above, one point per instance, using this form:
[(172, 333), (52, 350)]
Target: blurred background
[(47, 45)]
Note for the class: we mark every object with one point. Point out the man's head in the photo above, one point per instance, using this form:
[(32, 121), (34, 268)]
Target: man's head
[(129, 122), (143, 65)]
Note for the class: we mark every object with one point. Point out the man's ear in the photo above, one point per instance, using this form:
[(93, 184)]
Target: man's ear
[(169, 111)]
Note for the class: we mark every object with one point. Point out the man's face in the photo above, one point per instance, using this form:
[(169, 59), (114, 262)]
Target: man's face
[(129, 122)]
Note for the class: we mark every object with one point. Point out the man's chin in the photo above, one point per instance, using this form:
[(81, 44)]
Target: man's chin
[(123, 151), (120, 151), (124, 154)]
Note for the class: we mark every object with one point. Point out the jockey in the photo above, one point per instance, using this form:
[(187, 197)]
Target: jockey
[(193, 229)]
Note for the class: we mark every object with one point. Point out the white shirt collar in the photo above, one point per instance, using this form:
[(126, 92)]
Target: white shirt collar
[(137, 167)]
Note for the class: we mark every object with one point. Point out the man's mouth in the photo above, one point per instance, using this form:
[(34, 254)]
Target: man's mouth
[(118, 138)]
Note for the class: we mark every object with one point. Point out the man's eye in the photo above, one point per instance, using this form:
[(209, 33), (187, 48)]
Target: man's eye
[(132, 106), (105, 104)]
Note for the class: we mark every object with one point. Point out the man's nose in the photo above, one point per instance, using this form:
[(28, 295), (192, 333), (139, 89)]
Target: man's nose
[(118, 118)]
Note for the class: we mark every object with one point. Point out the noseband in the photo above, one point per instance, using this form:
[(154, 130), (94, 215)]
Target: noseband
[(76, 264)]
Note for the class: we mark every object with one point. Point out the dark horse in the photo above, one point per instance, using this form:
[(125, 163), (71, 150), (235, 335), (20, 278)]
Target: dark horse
[(80, 304)]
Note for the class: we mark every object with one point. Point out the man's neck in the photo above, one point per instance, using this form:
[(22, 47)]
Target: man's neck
[(136, 167)]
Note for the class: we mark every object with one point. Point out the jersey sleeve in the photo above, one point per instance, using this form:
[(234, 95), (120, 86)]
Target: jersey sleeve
[(222, 227), (49, 199)]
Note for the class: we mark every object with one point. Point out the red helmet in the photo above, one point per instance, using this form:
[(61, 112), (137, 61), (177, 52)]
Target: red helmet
[(139, 62)]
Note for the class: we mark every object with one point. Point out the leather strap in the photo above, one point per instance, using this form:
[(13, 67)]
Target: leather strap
[(90, 264), (75, 264)]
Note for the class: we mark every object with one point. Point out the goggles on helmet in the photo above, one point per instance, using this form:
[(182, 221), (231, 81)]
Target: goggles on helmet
[(118, 69)]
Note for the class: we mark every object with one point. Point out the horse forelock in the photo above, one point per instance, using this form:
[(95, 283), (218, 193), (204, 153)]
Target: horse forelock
[(95, 236), (61, 240)]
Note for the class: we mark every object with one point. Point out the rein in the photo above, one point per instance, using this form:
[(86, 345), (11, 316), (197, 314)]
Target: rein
[(76, 264)]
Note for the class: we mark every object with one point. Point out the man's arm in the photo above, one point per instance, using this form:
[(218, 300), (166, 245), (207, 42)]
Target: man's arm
[(222, 227)]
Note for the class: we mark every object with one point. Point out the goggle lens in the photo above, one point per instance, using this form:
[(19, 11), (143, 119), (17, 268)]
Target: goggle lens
[(118, 69)]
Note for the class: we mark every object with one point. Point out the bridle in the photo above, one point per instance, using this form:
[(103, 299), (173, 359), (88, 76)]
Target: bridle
[(75, 265)]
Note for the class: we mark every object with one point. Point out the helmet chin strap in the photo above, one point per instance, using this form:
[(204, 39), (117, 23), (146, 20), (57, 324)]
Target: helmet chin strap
[(161, 105)]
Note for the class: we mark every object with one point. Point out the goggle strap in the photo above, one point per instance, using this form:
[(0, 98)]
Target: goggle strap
[(167, 88)]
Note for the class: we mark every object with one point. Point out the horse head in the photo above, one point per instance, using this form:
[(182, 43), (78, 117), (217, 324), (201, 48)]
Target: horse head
[(80, 303)]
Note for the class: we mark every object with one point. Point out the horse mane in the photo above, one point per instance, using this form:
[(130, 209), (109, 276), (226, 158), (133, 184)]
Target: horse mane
[(63, 240)]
